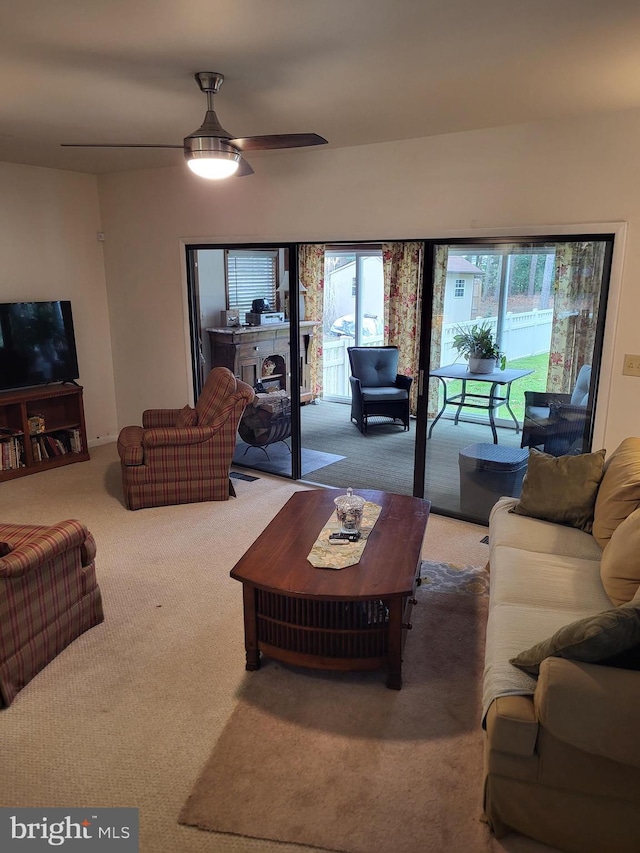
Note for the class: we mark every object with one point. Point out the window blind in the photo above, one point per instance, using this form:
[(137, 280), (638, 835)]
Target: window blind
[(251, 275)]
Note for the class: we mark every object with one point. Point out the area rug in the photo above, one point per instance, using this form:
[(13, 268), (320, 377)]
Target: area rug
[(447, 577), (279, 461), (338, 762)]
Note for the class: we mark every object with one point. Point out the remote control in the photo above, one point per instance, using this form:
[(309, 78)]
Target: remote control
[(344, 537)]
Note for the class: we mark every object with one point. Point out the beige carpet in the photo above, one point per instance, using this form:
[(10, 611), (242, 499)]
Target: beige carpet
[(342, 763), (130, 712)]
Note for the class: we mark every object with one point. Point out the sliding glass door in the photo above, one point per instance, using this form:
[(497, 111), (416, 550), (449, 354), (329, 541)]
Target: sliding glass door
[(543, 303), (239, 310), (363, 295)]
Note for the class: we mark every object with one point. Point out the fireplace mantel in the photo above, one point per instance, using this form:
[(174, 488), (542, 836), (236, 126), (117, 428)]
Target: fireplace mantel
[(244, 350)]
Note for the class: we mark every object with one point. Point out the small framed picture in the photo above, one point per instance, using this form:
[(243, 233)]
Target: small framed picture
[(36, 424), (231, 317)]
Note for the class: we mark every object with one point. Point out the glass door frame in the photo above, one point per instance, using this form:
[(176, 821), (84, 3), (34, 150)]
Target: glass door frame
[(196, 343), (613, 237), (430, 245)]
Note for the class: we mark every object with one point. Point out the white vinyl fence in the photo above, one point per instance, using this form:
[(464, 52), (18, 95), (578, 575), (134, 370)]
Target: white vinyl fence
[(523, 335), (336, 369)]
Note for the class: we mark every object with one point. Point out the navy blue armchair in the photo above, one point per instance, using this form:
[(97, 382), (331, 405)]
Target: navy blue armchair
[(376, 386)]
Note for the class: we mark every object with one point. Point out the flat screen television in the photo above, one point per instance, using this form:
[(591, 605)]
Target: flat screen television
[(37, 344)]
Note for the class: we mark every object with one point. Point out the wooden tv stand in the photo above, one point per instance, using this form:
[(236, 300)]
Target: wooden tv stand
[(59, 439)]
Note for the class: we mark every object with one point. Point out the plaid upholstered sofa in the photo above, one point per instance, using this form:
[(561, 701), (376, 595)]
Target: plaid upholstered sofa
[(48, 597), (184, 455)]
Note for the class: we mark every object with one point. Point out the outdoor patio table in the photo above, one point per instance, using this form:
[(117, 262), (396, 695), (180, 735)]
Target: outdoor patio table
[(499, 392)]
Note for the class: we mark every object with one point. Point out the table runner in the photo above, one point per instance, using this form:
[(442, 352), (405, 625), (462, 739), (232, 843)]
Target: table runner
[(323, 555)]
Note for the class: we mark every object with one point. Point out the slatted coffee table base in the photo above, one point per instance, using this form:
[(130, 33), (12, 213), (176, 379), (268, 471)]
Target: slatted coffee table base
[(336, 635), (356, 618), (343, 631)]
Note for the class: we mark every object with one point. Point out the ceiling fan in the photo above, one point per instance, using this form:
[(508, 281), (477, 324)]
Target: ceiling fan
[(211, 151)]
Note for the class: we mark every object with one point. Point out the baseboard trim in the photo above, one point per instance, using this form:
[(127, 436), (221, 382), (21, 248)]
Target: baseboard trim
[(101, 439)]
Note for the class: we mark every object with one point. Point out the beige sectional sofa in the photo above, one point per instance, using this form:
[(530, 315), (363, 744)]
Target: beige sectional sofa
[(562, 751)]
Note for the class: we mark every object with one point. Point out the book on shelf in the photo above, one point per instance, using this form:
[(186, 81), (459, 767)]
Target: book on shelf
[(42, 450), (11, 452), (54, 446), (57, 443), (76, 441), (68, 440), (36, 451)]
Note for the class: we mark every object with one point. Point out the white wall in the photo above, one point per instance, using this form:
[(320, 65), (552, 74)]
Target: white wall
[(538, 177), (213, 298), (49, 250)]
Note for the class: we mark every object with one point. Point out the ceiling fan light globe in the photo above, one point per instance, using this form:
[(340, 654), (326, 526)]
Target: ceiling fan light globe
[(214, 167), (211, 157)]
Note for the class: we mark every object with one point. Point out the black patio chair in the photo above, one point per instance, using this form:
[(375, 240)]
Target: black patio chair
[(376, 386), (556, 423)]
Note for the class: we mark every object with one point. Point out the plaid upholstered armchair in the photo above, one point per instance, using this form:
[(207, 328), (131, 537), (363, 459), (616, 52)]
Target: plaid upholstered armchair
[(48, 597), (184, 455)]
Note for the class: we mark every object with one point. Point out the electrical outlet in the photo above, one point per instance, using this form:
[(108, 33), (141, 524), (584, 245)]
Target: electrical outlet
[(631, 365)]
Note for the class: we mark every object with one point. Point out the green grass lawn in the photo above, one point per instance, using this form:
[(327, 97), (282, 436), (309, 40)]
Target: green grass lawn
[(536, 381)]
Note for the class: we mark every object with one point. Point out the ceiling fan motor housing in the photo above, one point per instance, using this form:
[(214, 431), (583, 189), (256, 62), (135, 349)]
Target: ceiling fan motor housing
[(210, 138), (205, 146)]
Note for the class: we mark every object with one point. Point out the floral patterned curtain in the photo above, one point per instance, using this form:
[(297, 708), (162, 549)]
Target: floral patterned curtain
[(440, 261), (311, 275), (576, 301), (402, 270)]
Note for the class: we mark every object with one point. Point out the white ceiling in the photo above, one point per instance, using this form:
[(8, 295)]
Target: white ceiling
[(354, 71)]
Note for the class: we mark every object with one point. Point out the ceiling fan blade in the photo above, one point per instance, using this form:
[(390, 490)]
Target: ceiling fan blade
[(110, 145), (277, 140), (243, 169)]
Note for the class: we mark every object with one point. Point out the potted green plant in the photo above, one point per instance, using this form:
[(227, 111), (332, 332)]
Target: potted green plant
[(477, 344)]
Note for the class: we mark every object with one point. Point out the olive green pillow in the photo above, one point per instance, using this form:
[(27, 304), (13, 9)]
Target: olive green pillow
[(562, 489), (602, 638)]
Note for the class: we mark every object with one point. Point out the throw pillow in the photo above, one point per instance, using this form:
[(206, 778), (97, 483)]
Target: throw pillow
[(601, 638), (188, 417), (562, 489), (619, 493), (5, 549), (620, 563)]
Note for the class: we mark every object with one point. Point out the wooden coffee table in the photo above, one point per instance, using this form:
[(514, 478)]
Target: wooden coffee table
[(347, 619)]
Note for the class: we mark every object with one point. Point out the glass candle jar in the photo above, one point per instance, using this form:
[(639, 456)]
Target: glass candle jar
[(349, 509)]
